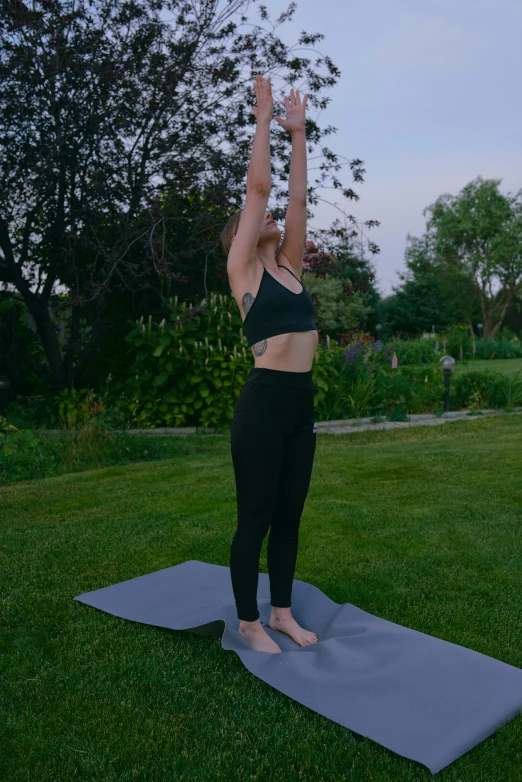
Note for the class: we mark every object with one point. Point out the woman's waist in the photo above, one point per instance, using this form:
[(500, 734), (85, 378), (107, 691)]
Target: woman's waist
[(284, 377), (293, 351)]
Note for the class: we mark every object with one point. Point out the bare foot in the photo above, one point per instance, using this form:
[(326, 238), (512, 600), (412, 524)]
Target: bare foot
[(288, 625), (255, 634)]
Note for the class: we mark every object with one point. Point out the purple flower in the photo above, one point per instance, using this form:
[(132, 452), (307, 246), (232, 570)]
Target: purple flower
[(377, 346), (352, 354), (385, 354)]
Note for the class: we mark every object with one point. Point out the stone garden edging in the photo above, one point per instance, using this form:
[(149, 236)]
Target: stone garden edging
[(342, 426)]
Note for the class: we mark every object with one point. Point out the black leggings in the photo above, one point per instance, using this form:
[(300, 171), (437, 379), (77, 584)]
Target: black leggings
[(272, 438)]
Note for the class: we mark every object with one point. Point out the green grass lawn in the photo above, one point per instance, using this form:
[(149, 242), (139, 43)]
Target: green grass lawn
[(509, 366), (422, 527)]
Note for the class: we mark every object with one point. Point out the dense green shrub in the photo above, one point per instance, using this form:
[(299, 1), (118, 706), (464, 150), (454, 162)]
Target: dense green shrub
[(459, 338), (20, 349), (430, 351), (498, 348), (190, 370), (414, 389), (474, 390), (33, 412), (416, 351), (367, 387)]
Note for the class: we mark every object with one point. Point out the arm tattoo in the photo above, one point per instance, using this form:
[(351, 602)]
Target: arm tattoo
[(247, 302), (260, 347)]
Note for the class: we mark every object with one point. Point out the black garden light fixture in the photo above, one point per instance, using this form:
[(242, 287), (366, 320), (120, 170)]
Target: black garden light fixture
[(447, 363), (480, 326)]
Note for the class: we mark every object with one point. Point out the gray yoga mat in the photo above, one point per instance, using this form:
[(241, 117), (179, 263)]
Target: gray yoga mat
[(425, 699)]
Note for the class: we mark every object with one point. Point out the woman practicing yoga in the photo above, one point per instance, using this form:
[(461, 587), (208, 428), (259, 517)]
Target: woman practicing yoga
[(273, 430)]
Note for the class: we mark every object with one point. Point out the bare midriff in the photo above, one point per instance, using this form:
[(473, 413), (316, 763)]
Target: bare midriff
[(293, 352)]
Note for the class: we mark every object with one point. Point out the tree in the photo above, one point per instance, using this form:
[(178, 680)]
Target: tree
[(124, 145), (343, 283), (431, 294), (479, 233), (335, 311)]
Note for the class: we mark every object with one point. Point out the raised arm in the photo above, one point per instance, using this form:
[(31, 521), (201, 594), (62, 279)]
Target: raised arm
[(259, 183), (294, 240)]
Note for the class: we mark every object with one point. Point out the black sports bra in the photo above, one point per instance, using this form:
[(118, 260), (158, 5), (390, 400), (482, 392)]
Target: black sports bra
[(278, 310)]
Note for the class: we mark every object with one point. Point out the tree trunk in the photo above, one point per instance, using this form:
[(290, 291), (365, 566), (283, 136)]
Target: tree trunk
[(50, 344), (489, 312)]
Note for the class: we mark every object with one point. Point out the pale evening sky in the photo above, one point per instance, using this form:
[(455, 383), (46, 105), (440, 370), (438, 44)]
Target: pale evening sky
[(429, 97)]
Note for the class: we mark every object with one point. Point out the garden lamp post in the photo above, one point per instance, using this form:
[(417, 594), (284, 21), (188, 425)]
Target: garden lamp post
[(480, 326), (378, 328), (447, 364), (5, 387)]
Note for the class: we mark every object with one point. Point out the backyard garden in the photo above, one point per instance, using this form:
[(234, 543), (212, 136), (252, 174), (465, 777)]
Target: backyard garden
[(127, 148), (188, 370)]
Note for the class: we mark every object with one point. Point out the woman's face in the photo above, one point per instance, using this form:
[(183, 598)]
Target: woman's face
[(270, 231)]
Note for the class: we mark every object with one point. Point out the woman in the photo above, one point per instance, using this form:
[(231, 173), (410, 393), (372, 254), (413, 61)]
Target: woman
[(273, 430)]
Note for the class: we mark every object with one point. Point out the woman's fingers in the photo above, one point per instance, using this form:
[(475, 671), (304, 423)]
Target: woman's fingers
[(264, 100), (262, 87), (294, 99)]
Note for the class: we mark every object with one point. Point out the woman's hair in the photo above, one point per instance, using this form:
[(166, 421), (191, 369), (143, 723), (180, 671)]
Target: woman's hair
[(229, 230)]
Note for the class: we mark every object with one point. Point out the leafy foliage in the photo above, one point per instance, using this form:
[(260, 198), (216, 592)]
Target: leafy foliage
[(188, 369), (335, 310), (487, 389), (480, 232), (466, 268), (431, 295), (125, 143)]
